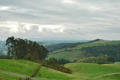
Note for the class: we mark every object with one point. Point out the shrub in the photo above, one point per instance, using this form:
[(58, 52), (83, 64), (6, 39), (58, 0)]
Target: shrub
[(57, 61), (57, 64), (58, 67)]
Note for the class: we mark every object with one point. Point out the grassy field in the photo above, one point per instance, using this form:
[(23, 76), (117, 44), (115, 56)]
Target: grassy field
[(72, 55), (89, 71), (7, 77), (27, 67), (81, 71)]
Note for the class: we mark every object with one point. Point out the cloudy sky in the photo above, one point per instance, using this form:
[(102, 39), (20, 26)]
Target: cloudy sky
[(60, 19)]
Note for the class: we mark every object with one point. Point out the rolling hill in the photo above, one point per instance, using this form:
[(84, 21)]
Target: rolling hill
[(81, 71), (54, 47), (23, 67), (90, 71), (93, 48)]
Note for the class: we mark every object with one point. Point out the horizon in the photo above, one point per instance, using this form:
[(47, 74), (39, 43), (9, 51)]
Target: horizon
[(62, 40)]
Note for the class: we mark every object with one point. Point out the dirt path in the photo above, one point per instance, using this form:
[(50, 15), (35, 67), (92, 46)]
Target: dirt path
[(109, 74), (19, 75)]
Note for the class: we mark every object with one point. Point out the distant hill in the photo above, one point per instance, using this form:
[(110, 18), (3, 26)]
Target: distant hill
[(97, 40), (93, 48), (58, 46)]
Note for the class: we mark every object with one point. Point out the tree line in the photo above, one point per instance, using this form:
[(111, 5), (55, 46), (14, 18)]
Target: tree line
[(103, 59), (109, 50)]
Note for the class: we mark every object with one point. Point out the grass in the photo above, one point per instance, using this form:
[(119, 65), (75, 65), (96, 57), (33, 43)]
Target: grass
[(112, 77), (81, 71), (89, 71), (7, 77), (72, 55), (27, 67)]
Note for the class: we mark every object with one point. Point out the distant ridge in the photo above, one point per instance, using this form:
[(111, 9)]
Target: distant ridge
[(96, 40), (94, 48)]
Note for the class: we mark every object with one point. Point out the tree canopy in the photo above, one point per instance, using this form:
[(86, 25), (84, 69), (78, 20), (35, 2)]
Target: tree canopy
[(25, 49)]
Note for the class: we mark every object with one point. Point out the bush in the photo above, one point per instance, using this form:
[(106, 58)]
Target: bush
[(58, 67), (57, 61)]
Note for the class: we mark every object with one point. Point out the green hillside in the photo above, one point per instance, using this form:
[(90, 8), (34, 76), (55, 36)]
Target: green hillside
[(89, 71), (81, 71), (97, 43), (26, 68), (98, 47), (7, 77)]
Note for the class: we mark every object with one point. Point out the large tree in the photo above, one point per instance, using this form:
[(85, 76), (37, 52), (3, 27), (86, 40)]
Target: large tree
[(25, 49)]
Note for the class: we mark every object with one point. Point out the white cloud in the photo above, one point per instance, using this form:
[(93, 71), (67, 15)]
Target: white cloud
[(12, 26), (16, 27), (52, 28), (95, 8), (69, 1), (4, 8)]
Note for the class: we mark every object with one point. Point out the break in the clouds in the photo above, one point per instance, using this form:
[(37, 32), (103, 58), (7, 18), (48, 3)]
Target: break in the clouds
[(60, 19)]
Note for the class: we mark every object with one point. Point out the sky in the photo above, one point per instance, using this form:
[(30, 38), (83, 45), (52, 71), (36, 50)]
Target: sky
[(60, 19)]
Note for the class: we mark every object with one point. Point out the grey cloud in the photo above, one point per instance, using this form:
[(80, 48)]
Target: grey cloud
[(85, 17)]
